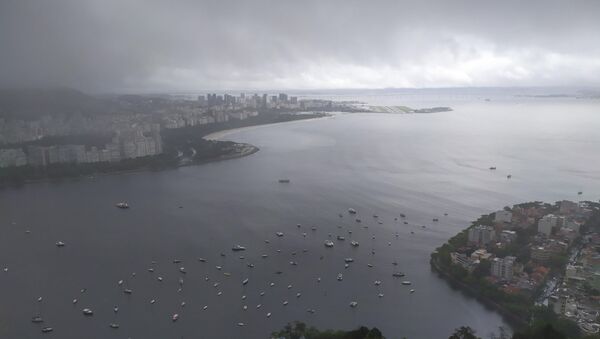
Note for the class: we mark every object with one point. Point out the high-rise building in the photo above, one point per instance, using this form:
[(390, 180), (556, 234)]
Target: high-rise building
[(503, 268), (547, 223), (482, 235)]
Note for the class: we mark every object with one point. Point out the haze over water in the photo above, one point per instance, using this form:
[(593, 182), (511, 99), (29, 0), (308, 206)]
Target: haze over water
[(422, 165)]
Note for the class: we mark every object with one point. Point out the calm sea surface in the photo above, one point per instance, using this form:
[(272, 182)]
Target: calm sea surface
[(419, 165)]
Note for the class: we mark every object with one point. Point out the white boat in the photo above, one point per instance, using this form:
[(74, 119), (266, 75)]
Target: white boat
[(377, 282), (353, 304), (351, 211), (245, 281), (412, 291), (340, 277), (122, 205), (174, 317), (47, 329), (238, 248), (328, 243), (380, 295), (398, 274), (116, 309), (201, 260), (113, 325), (127, 291), (349, 260), (285, 303), (60, 244), (298, 295), (269, 315), (37, 319), (354, 243), (406, 282), (341, 238), (87, 311), (279, 234)]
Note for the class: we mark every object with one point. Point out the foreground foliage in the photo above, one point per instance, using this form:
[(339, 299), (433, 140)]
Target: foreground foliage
[(299, 330)]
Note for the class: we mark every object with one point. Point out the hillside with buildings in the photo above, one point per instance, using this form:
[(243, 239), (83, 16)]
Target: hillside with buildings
[(529, 258)]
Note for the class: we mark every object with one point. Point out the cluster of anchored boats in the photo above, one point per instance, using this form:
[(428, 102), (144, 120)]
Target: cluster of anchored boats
[(328, 243)]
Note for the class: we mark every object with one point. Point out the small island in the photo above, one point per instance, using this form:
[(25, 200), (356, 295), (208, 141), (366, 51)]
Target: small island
[(536, 263)]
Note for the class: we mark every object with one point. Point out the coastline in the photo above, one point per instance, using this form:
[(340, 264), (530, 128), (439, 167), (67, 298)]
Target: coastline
[(513, 320), (242, 150), (219, 135)]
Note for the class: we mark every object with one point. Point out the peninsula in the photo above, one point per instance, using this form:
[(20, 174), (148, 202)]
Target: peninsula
[(536, 263)]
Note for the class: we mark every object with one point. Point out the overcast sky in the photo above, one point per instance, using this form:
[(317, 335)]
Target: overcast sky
[(122, 45)]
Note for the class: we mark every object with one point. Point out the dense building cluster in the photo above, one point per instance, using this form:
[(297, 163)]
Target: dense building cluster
[(522, 245), (135, 126)]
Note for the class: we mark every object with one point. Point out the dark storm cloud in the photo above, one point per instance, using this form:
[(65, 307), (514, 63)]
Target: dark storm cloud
[(110, 45)]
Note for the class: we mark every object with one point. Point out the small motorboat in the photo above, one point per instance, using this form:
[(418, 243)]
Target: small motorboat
[(412, 291), (174, 317), (201, 260), (341, 238), (279, 234), (348, 260), (122, 205), (113, 325), (60, 244), (398, 274), (238, 248), (37, 319), (47, 329), (340, 277), (406, 282), (380, 295), (285, 303), (127, 291), (351, 211), (328, 243), (245, 281), (88, 312), (353, 304)]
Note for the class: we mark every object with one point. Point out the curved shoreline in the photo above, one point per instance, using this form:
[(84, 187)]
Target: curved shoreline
[(248, 149), (219, 135)]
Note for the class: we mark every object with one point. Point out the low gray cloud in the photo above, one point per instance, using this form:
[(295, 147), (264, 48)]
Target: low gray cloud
[(110, 45)]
